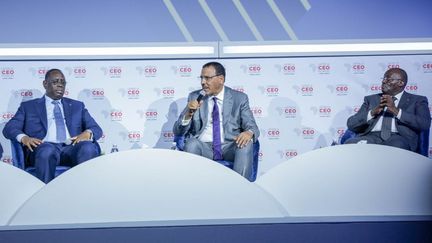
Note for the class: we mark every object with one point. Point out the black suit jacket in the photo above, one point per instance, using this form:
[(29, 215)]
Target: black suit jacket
[(415, 117)]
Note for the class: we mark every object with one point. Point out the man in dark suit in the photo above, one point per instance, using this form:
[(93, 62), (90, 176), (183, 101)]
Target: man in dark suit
[(54, 130), (393, 117), (219, 125)]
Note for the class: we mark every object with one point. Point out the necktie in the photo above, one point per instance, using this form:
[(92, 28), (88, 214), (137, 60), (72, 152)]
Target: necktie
[(386, 124), (217, 144), (60, 126)]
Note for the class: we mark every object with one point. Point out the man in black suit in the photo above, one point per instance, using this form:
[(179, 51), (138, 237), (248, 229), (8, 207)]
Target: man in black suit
[(393, 117)]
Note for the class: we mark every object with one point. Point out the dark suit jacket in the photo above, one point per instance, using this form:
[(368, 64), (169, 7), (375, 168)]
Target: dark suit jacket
[(31, 119), (236, 116), (415, 117)]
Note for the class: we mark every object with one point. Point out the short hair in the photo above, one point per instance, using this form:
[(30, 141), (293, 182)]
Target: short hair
[(402, 72), (220, 70), (48, 73)]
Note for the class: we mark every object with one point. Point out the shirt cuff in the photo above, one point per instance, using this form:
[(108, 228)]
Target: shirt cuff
[(20, 136), (91, 133)]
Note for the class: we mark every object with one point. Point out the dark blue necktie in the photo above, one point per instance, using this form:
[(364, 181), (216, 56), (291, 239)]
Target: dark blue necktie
[(386, 124), (217, 144), (60, 126)]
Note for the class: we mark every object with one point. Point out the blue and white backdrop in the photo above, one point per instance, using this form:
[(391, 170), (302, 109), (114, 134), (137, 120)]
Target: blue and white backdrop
[(300, 104)]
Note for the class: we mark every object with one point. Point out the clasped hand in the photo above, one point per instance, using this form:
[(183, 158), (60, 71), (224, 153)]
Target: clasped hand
[(385, 101)]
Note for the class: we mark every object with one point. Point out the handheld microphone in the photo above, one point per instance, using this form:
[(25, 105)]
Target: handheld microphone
[(201, 95)]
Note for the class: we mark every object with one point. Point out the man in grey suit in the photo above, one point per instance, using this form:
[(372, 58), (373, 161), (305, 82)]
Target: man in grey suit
[(229, 138), (407, 114)]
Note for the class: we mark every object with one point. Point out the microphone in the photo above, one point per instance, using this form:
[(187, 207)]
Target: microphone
[(201, 95)]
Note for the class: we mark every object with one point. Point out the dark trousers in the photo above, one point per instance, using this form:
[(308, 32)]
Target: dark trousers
[(395, 140), (47, 156)]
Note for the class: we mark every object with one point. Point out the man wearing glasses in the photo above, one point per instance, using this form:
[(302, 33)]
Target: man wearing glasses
[(393, 117), (217, 121), (54, 130)]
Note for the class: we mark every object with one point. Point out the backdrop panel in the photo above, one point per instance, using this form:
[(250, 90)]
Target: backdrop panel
[(300, 104)]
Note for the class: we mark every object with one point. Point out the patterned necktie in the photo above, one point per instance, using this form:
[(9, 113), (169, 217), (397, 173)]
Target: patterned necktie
[(386, 123), (217, 144), (60, 126)]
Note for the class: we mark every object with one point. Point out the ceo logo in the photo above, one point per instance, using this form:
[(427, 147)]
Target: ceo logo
[(393, 65), (325, 111), (113, 71), (307, 90), (168, 92), (375, 88), (342, 89), (133, 93), (150, 71), (427, 67), (289, 69), (7, 73), (273, 133), (254, 69), (324, 68), (39, 71), (411, 87), (289, 153), (183, 70), (167, 136), (151, 115), (98, 94), (134, 136), (272, 90), (116, 115), (78, 72), (289, 111), (26, 93), (308, 133)]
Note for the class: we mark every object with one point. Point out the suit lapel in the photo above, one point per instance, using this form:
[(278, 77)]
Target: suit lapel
[(227, 106), (41, 111), (405, 99)]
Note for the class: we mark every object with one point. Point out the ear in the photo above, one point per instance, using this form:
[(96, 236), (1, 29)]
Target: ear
[(44, 83)]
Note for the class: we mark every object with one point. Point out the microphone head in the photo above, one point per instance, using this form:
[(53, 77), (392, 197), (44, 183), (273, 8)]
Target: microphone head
[(201, 95)]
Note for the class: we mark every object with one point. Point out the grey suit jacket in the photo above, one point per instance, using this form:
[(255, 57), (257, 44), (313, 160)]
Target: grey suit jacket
[(236, 116), (415, 117)]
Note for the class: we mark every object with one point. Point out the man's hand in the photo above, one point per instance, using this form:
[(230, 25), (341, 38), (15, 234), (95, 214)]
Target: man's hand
[(30, 143), (243, 139), (84, 136), (387, 101), (193, 105)]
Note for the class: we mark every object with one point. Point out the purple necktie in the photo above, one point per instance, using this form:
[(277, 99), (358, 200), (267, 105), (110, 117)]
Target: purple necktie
[(217, 144)]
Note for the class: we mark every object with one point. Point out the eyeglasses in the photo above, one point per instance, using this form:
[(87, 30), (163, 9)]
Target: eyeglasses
[(391, 80), (58, 82), (207, 78)]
